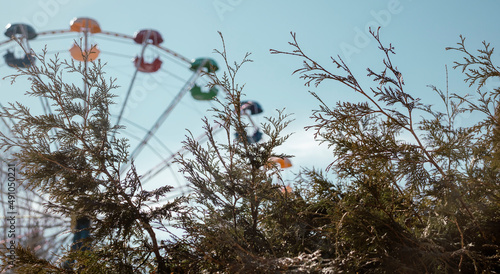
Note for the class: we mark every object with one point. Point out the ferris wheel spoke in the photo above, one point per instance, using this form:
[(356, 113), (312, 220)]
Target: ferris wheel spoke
[(137, 67), (60, 37), (167, 162), (161, 119), (31, 210), (126, 98), (156, 152), (175, 76), (179, 61), (116, 54), (38, 225), (175, 54), (27, 200), (159, 142)]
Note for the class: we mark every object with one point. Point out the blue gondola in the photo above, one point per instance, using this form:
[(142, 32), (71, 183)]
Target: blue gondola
[(251, 106), (15, 62), (252, 139), (24, 30), (81, 233)]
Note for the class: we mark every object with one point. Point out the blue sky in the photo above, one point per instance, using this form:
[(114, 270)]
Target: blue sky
[(419, 30)]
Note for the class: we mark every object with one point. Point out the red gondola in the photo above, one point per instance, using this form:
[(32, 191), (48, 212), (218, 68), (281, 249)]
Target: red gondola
[(149, 36), (142, 66)]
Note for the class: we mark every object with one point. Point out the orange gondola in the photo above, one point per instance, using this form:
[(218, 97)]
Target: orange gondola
[(78, 54), (283, 162), (84, 25)]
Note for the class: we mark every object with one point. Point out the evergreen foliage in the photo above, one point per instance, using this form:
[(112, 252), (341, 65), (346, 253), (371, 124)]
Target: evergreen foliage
[(233, 181), (411, 190), (428, 204), (71, 157)]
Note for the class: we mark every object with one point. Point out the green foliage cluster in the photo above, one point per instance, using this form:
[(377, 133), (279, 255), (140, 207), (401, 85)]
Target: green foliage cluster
[(71, 157), (427, 202)]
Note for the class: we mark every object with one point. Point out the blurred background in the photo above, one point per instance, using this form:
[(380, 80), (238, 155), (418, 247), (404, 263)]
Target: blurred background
[(419, 30)]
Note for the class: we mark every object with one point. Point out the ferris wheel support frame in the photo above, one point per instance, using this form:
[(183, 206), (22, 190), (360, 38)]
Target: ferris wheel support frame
[(144, 45), (161, 119)]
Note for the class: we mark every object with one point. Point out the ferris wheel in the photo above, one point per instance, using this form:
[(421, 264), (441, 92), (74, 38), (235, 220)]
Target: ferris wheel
[(154, 81)]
